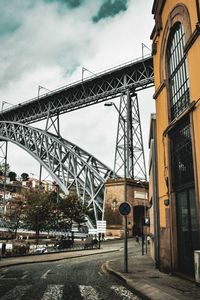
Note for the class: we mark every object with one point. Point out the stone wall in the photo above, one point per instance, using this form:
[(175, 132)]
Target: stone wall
[(114, 196)]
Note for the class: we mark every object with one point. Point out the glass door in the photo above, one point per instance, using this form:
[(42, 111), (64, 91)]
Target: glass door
[(187, 230)]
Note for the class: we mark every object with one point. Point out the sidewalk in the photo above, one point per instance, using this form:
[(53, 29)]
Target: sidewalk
[(54, 256), (149, 283)]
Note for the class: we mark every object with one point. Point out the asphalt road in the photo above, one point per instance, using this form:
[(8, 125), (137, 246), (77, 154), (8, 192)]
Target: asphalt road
[(71, 279)]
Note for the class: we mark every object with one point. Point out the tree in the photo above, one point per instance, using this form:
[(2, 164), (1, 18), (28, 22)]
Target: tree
[(54, 197), (12, 176), (38, 210), (71, 209), (24, 176), (15, 213)]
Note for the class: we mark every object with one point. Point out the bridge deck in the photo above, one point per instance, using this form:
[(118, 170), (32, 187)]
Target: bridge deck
[(135, 75)]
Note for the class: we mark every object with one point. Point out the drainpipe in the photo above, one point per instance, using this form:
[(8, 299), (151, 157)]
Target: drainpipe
[(198, 11), (155, 208)]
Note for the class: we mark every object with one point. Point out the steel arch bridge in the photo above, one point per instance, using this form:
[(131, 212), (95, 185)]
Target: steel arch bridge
[(70, 166)]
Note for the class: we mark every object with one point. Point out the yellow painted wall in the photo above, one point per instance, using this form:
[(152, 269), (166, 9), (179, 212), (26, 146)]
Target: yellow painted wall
[(161, 100), (194, 71), (161, 109)]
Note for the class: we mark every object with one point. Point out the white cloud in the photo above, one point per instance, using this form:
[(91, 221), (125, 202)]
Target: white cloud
[(50, 48)]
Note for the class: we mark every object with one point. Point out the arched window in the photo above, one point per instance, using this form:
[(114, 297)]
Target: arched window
[(177, 71), (181, 143)]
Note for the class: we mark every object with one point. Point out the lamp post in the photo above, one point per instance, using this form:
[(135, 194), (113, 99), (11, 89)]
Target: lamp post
[(40, 87), (38, 218), (125, 191), (5, 102), (86, 70), (144, 221), (5, 158)]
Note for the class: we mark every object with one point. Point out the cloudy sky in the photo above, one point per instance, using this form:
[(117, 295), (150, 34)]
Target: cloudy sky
[(47, 42)]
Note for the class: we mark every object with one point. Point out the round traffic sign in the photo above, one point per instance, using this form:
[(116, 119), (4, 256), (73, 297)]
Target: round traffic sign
[(124, 208)]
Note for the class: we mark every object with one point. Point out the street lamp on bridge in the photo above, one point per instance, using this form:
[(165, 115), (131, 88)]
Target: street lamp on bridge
[(5, 102), (40, 87)]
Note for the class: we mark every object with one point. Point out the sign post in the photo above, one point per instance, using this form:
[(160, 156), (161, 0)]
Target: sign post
[(124, 210), (101, 228)]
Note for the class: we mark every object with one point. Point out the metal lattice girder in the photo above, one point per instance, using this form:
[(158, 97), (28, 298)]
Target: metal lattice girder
[(135, 75), (70, 166), (129, 139)]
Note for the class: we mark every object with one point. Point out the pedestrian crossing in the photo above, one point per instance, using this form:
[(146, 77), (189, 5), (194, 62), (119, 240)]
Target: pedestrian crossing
[(53, 291), (56, 292)]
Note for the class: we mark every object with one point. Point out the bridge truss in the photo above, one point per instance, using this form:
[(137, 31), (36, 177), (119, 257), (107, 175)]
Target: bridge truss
[(133, 76)]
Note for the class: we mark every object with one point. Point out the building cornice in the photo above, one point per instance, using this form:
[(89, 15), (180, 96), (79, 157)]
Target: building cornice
[(129, 181), (157, 9), (177, 120), (193, 38), (159, 89)]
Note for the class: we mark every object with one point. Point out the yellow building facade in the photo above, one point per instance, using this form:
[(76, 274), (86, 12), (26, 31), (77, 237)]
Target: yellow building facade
[(176, 55)]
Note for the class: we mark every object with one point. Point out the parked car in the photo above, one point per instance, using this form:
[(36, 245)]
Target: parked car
[(64, 244), (39, 250)]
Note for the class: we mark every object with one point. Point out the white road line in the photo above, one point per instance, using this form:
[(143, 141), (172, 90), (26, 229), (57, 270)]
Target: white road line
[(124, 293), (53, 292), (100, 274), (25, 274), (88, 292), (4, 270), (44, 276), (17, 293)]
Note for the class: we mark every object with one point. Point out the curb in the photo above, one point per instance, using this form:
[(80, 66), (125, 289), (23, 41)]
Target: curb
[(141, 288), (129, 282), (53, 259)]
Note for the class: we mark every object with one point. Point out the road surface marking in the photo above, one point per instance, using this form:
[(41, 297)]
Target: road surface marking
[(17, 293), (44, 276), (53, 292), (124, 293), (88, 292), (4, 270), (25, 274)]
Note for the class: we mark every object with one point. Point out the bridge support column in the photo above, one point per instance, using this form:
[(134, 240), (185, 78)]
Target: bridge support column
[(3, 162), (131, 129)]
